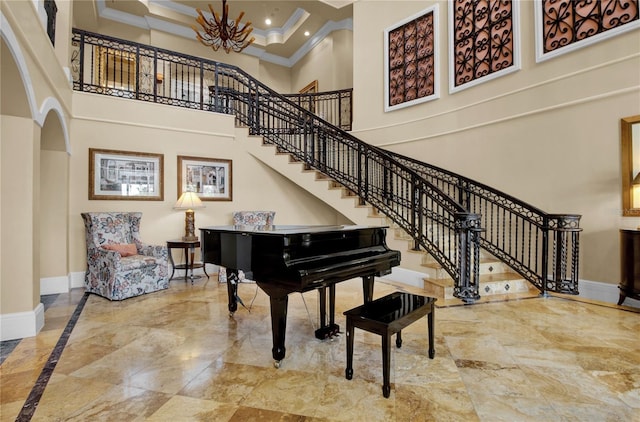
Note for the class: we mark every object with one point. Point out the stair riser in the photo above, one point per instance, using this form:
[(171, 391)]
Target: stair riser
[(436, 272), (490, 289)]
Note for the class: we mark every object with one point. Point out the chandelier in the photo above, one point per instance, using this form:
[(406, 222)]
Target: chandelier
[(220, 32)]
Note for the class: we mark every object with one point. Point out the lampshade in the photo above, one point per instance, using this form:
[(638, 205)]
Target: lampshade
[(189, 201), (636, 180)]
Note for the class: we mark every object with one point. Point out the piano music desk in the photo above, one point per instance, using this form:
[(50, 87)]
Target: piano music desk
[(388, 316)]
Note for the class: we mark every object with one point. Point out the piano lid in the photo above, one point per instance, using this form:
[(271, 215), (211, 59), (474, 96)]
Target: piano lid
[(288, 229)]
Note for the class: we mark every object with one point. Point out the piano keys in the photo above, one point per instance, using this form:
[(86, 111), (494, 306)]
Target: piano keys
[(287, 259)]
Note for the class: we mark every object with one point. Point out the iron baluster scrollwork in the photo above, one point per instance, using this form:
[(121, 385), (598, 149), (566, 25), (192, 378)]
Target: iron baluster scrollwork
[(467, 226), (483, 37), (521, 235), (568, 22), (565, 254)]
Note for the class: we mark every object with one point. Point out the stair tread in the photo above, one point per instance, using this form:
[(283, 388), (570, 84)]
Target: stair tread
[(531, 293), (441, 288), (484, 278), (483, 261)]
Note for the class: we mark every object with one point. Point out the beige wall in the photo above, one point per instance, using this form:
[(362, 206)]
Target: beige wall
[(20, 157), (276, 77), (54, 200), (547, 134), (34, 88), (114, 123), (342, 60), (36, 94), (47, 79), (330, 63), (175, 43)]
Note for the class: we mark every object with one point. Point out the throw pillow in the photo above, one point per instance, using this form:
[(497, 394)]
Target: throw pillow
[(124, 249)]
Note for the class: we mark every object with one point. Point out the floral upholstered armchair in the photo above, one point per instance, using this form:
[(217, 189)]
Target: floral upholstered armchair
[(247, 218), (119, 264)]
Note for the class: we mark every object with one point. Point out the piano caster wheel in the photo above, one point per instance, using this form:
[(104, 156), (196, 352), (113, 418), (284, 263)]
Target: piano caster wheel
[(348, 373), (231, 314), (276, 364), (386, 391)]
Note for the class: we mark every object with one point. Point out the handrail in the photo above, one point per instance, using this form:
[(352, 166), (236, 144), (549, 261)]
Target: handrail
[(111, 66), (447, 215), (437, 222), (332, 106), (531, 231)]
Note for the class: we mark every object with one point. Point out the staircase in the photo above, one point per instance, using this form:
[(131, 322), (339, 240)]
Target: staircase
[(497, 280), (462, 223)]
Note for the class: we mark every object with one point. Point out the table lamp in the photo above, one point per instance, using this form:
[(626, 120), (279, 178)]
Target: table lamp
[(189, 201)]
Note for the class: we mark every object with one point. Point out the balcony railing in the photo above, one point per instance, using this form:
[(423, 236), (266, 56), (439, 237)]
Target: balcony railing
[(109, 66), (447, 215)]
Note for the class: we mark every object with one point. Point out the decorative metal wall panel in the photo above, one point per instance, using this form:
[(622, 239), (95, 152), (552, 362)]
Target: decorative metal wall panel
[(566, 23), (411, 60), (483, 40)]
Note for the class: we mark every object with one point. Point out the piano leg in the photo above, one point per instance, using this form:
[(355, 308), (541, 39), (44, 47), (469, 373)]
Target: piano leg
[(279, 306), (367, 288), (327, 330), (232, 290), (332, 307)]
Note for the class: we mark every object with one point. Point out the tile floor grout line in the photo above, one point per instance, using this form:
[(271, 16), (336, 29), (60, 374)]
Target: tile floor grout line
[(29, 407)]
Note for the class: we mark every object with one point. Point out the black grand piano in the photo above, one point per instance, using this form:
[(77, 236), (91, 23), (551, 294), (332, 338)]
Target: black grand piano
[(286, 259)]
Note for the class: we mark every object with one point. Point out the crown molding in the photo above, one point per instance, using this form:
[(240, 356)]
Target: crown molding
[(275, 35)]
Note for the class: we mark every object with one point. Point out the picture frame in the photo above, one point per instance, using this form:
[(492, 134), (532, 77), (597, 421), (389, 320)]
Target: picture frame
[(413, 78), (309, 103), (630, 165), (210, 178), (125, 175)]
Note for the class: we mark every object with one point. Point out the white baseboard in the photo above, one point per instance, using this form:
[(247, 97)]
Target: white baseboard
[(61, 284), (76, 279), (603, 292), (21, 324), (404, 276), (593, 290), (54, 285)]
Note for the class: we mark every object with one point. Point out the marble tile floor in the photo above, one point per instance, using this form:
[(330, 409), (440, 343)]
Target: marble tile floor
[(176, 356)]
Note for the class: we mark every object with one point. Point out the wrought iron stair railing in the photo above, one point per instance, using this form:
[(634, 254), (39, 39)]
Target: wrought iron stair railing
[(542, 247), (437, 223), (449, 223)]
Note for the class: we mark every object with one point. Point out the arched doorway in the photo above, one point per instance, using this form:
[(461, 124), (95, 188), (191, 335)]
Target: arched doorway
[(34, 146)]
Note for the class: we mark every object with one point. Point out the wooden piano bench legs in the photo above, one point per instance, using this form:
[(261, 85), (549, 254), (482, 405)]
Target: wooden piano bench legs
[(388, 316)]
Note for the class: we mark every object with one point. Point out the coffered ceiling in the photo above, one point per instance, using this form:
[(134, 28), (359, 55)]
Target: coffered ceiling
[(283, 41)]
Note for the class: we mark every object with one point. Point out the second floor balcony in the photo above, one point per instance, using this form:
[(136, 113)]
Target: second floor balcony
[(110, 66)]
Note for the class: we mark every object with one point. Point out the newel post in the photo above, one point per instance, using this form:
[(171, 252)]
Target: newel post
[(467, 285), (566, 248)]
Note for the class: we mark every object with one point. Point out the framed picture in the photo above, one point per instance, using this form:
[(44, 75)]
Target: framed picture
[(125, 175), (411, 60), (210, 178), (309, 103)]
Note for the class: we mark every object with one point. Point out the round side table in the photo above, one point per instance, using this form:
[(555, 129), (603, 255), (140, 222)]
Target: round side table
[(189, 247)]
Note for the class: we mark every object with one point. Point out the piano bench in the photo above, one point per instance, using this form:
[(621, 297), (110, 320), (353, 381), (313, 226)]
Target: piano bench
[(387, 316)]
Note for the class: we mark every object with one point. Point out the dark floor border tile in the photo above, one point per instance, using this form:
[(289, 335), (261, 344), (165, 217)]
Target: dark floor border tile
[(29, 407), (7, 346)]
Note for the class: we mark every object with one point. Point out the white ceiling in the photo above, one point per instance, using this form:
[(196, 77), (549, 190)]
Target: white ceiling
[(283, 42)]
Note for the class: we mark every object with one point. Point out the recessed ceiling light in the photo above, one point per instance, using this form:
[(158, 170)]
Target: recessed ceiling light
[(267, 21), (306, 33)]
